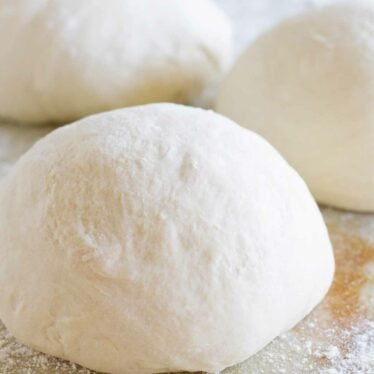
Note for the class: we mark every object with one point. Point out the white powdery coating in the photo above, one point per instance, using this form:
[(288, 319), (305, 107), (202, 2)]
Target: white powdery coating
[(251, 18), (15, 358), (157, 238), (62, 60), (307, 86), (352, 351)]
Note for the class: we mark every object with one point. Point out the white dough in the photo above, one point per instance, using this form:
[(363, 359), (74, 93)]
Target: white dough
[(307, 86), (63, 59), (157, 238)]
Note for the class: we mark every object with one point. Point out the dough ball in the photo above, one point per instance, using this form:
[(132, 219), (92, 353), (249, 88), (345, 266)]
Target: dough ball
[(15, 141), (307, 86), (157, 238), (62, 60)]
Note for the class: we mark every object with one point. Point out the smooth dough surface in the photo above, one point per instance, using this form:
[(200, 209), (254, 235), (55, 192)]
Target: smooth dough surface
[(157, 238), (62, 60), (307, 86)]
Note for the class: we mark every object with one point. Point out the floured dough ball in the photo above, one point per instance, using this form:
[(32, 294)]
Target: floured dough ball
[(308, 87), (157, 238), (62, 60)]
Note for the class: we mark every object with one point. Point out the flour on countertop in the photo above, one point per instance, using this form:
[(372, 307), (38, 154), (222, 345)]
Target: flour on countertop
[(19, 359)]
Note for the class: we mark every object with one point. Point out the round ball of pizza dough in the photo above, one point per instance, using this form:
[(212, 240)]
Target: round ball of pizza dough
[(307, 86), (157, 238), (62, 60)]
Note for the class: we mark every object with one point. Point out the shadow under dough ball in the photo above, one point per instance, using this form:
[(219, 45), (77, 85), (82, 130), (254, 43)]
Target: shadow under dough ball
[(307, 86), (157, 238), (63, 60)]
